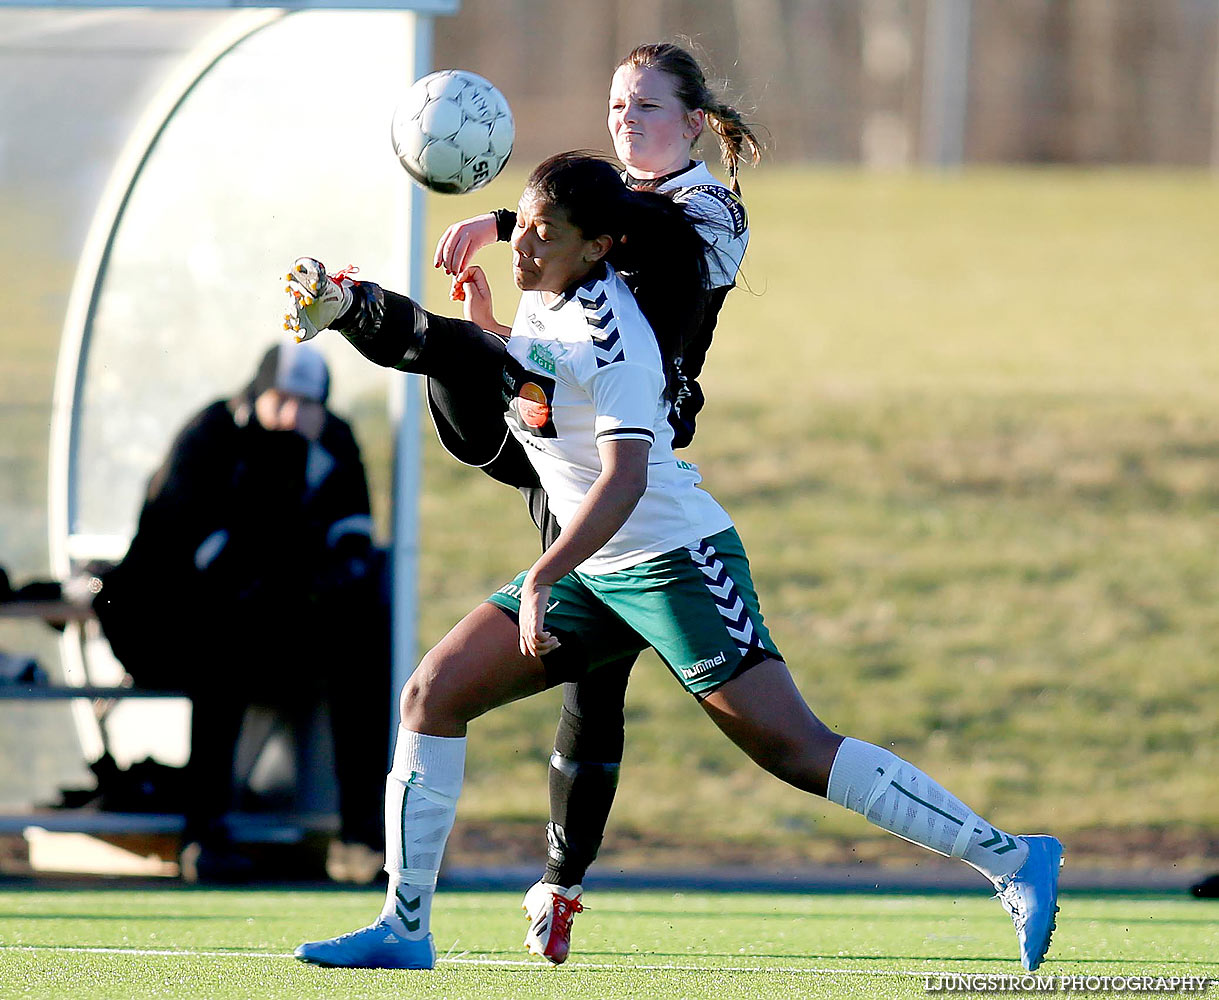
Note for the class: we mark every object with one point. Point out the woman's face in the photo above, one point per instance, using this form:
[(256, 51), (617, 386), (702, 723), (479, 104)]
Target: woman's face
[(653, 132), (549, 254), (284, 411)]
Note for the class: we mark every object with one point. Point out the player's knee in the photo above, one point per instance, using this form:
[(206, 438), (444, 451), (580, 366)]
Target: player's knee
[(412, 703), (590, 738), (429, 701)]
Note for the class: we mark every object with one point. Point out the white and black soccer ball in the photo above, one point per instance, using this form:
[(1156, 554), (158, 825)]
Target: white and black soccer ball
[(453, 131)]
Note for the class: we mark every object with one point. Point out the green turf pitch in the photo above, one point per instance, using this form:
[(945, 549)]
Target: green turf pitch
[(236, 944)]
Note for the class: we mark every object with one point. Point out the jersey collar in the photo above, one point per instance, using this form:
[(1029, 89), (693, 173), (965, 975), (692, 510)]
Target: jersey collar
[(652, 183), (598, 273)]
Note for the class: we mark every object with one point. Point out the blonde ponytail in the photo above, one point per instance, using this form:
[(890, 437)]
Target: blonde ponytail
[(737, 140)]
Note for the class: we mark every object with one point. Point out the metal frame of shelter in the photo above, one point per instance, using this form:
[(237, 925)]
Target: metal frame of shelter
[(67, 545)]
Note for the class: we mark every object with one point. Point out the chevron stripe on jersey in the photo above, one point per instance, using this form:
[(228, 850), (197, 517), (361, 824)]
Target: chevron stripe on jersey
[(727, 601), (607, 346)]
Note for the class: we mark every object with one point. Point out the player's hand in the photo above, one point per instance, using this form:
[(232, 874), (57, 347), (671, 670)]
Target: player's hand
[(462, 240), (534, 639), (471, 288), (315, 298)]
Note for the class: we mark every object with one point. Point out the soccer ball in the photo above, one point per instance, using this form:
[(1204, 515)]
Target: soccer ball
[(453, 131)]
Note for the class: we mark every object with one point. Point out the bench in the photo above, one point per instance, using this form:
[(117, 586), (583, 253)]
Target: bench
[(313, 813)]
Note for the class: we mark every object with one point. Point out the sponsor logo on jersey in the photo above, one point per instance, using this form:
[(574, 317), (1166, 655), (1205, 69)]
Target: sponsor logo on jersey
[(529, 398), (540, 355), (704, 666), (532, 406), (730, 201)]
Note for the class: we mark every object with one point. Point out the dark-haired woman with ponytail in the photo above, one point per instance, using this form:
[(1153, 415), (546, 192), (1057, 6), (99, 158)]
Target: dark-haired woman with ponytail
[(644, 557), (660, 107)]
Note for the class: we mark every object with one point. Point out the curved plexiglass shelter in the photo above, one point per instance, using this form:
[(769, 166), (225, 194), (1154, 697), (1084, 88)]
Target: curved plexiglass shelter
[(181, 159), (249, 150)]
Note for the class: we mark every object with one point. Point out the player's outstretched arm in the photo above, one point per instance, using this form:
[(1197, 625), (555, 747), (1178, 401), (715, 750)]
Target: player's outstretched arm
[(462, 240), (316, 299)]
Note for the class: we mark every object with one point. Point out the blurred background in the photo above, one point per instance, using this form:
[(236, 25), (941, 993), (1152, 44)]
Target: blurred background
[(962, 407), (884, 83)]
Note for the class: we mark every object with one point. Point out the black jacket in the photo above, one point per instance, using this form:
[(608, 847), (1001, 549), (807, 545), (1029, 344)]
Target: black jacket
[(245, 534)]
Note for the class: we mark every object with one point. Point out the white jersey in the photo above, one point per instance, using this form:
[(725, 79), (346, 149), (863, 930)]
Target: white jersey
[(590, 370), (718, 215)]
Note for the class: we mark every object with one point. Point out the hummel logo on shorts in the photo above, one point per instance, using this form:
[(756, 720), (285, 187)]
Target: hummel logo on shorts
[(702, 666)]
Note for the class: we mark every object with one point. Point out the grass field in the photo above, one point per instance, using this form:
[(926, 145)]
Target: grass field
[(967, 427), (131, 945)]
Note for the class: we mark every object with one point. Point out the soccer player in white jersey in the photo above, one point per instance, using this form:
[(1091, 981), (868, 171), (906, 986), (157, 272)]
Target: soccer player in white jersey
[(660, 106), (643, 552)]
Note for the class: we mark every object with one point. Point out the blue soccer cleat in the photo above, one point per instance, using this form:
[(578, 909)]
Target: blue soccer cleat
[(374, 947), (1030, 895)]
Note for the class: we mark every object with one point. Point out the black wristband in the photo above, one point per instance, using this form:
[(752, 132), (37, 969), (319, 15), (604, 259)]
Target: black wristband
[(505, 222)]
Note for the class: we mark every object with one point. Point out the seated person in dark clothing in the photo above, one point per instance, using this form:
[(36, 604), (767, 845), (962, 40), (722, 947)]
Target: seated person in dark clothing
[(253, 579)]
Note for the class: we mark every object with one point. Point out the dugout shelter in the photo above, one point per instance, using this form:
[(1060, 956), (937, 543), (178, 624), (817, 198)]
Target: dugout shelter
[(180, 155)]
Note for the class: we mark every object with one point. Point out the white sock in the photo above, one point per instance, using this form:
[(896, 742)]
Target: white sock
[(421, 794), (898, 797)]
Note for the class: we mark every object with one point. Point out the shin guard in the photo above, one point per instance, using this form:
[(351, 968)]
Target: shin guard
[(420, 806)]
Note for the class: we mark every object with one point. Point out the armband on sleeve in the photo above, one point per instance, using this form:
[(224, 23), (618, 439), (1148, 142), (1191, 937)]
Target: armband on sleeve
[(505, 222)]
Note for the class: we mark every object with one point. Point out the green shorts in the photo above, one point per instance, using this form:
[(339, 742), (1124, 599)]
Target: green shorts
[(695, 606)]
